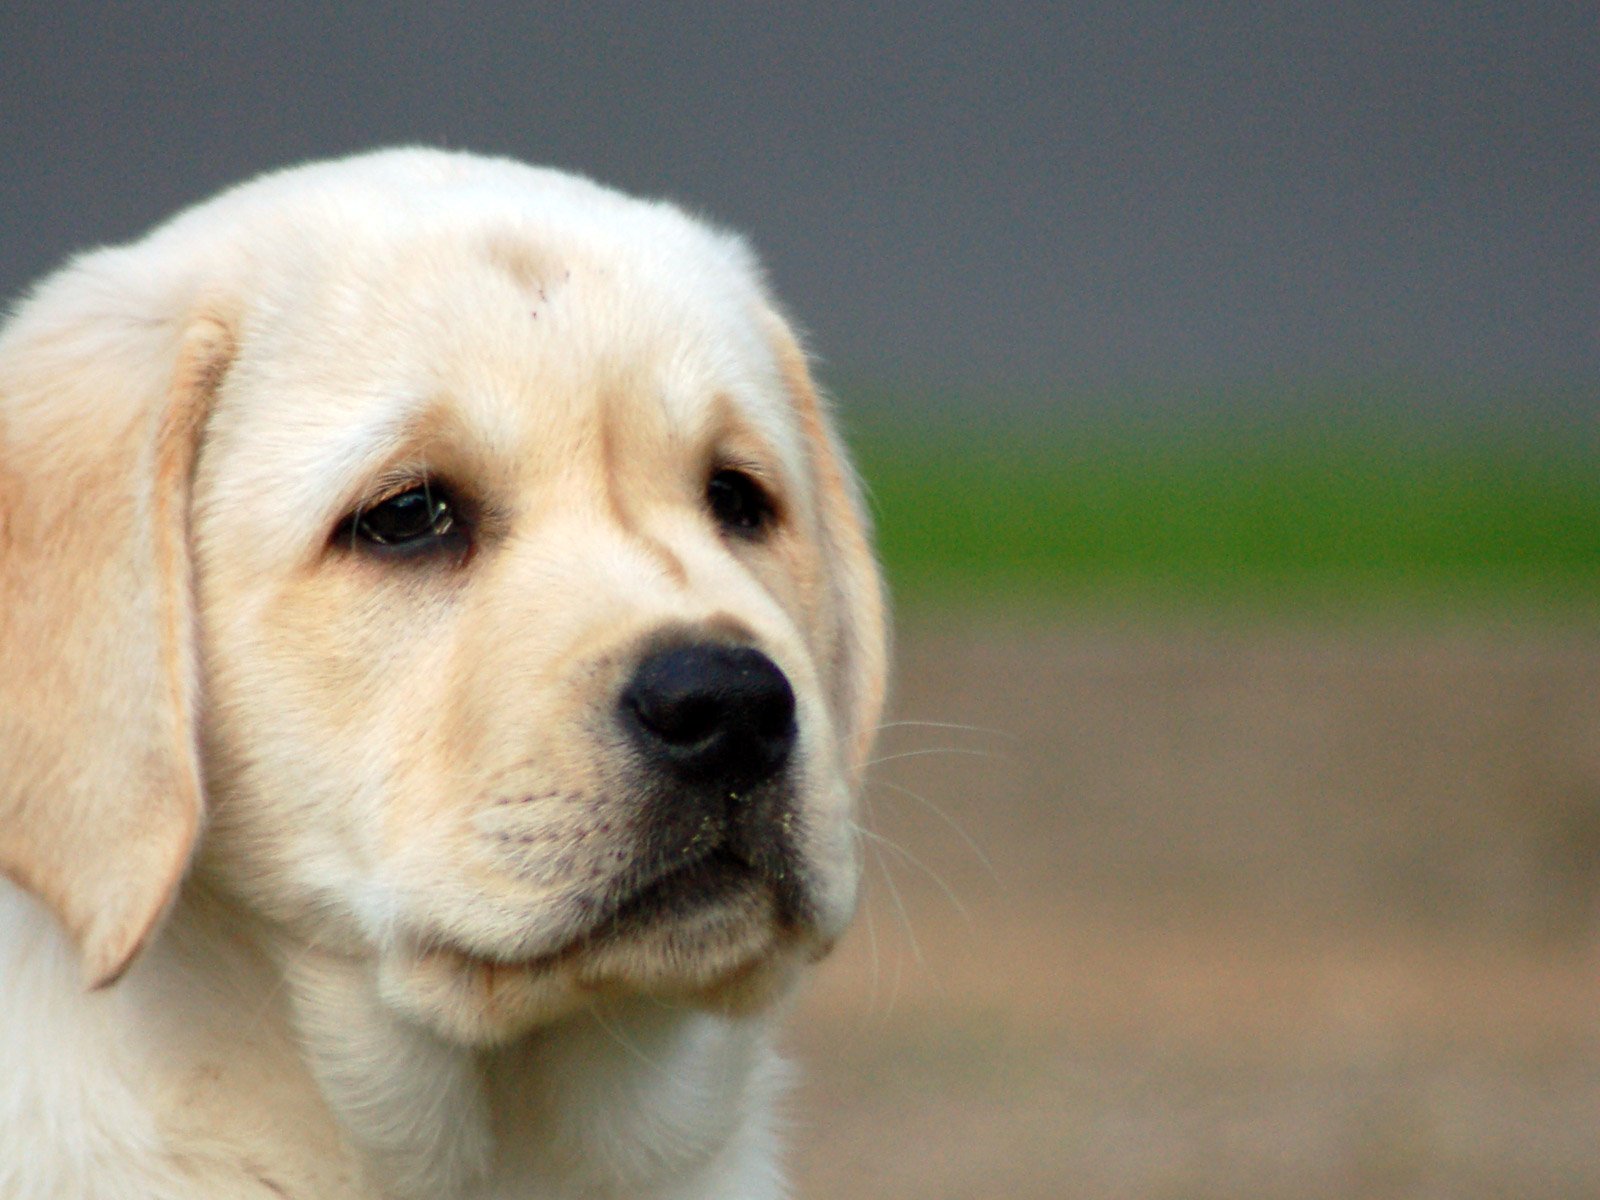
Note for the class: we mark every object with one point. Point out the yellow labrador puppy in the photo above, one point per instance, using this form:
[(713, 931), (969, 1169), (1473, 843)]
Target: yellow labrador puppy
[(439, 646)]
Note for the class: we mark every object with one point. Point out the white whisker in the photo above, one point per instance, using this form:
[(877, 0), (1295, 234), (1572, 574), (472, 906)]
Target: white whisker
[(954, 825), (1000, 733), (889, 758), (616, 1035), (877, 842), (906, 855)]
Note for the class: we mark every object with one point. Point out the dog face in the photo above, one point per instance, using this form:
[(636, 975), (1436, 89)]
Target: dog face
[(501, 585)]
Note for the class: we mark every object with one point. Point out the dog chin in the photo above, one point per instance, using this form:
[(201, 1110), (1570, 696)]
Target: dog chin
[(735, 957)]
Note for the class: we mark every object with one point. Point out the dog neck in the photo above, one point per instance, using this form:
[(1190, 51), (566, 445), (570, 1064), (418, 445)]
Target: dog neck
[(276, 1069), (629, 1098)]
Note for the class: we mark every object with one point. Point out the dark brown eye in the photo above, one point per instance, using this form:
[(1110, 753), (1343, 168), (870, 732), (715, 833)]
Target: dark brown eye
[(739, 503), (420, 520)]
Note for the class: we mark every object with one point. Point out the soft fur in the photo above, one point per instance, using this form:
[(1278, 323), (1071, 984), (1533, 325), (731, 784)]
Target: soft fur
[(300, 838)]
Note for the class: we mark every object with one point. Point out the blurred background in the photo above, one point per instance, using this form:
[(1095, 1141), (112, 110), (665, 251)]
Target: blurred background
[(1227, 381)]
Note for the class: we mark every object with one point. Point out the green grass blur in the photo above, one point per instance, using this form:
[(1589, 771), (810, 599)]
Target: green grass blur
[(1235, 515)]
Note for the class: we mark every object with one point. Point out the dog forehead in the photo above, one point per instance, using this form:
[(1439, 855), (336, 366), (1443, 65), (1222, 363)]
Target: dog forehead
[(516, 344), (552, 326), (521, 311)]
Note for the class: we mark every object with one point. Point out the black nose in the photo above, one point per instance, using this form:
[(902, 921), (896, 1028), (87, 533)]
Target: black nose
[(712, 712)]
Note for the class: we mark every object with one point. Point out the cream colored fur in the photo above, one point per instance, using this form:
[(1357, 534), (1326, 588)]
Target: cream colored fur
[(299, 838)]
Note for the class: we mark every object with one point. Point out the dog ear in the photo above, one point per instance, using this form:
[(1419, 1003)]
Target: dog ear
[(860, 642), (100, 794)]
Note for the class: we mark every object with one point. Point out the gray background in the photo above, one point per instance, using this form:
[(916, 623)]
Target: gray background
[(1006, 201)]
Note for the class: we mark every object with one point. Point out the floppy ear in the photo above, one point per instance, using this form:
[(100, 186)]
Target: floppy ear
[(100, 412), (860, 623)]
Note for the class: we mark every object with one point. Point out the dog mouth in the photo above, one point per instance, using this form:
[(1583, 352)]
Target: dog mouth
[(695, 907), (714, 915), (715, 897), (679, 891)]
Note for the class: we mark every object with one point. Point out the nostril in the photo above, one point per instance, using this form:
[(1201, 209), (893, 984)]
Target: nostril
[(676, 716), (712, 711), (773, 712)]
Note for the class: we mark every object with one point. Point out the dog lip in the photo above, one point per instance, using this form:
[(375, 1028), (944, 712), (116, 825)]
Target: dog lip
[(713, 877), (702, 879)]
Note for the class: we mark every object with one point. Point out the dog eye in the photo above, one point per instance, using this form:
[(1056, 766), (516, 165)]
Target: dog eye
[(416, 521), (739, 503)]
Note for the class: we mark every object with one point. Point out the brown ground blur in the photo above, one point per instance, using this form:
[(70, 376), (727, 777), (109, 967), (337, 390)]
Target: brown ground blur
[(1266, 914)]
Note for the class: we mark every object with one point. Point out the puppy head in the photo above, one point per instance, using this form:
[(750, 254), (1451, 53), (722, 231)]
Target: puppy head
[(539, 637)]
